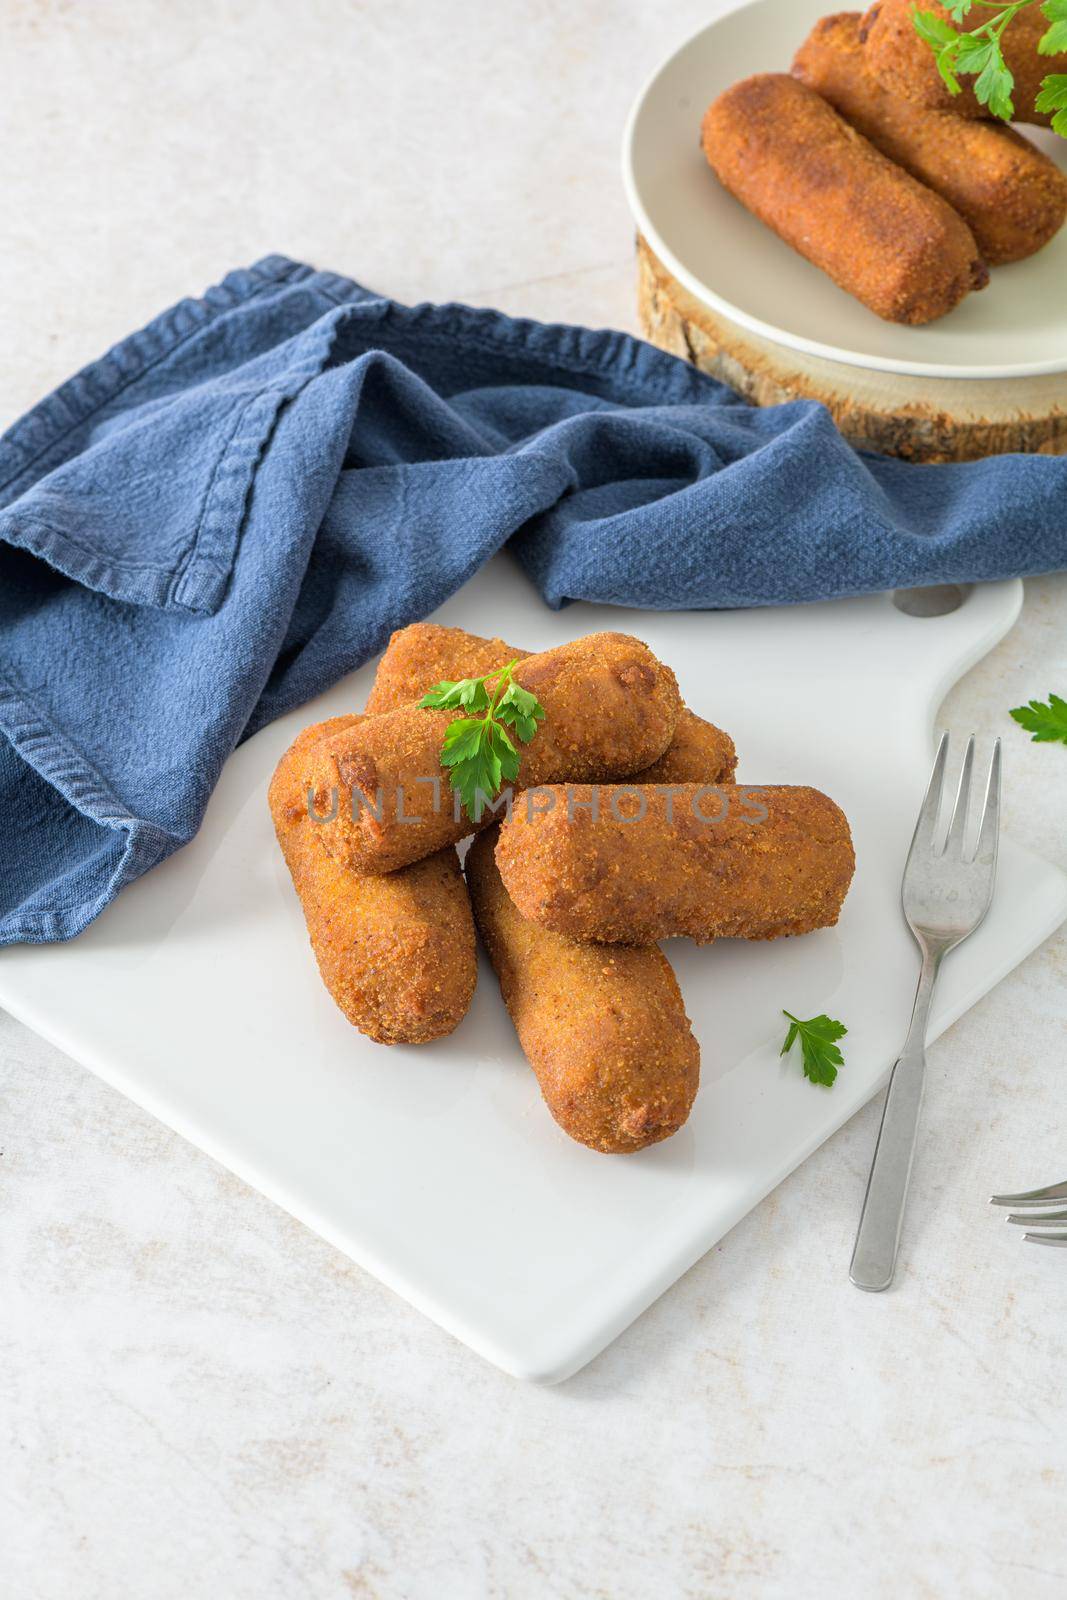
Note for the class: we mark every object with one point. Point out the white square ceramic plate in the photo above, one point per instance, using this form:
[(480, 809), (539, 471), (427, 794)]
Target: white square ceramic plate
[(438, 1169)]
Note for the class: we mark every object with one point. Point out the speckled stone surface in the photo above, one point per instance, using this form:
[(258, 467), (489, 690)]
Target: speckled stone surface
[(199, 1397)]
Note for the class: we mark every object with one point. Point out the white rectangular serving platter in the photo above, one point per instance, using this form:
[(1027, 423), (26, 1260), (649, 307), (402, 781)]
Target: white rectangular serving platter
[(438, 1168)]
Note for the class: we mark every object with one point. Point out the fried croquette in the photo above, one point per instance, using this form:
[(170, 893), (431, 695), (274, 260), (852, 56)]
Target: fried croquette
[(604, 1028), (426, 653), (1011, 196), (906, 66), (610, 708), (398, 953), (699, 753), (822, 187), (630, 864)]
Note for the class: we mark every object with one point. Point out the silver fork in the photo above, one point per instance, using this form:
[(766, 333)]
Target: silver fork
[(945, 896), (1037, 1218)]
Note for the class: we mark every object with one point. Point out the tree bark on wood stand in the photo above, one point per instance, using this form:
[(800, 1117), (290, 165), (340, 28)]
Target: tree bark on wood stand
[(917, 418)]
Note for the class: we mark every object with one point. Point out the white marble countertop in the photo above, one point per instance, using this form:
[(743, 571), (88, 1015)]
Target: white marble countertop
[(202, 1398)]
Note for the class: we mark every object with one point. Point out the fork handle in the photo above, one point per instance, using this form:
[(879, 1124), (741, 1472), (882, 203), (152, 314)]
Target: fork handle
[(878, 1237)]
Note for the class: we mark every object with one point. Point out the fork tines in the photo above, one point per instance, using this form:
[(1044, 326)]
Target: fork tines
[(1037, 1218), (928, 829)]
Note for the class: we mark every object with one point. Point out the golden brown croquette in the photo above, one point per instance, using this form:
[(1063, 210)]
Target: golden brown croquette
[(1011, 196), (396, 953), (425, 653), (906, 66), (610, 708), (632, 863), (604, 1027), (800, 168)]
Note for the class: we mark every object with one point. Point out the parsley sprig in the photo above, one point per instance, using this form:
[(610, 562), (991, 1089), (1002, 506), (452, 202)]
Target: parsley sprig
[(979, 53), (477, 750), (1047, 723), (817, 1044)]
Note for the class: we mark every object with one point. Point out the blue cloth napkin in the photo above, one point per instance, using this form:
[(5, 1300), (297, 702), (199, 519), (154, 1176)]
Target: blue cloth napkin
[(236, 506)]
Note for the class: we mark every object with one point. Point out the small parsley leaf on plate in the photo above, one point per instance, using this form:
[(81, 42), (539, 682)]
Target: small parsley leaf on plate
[(819, 1050)]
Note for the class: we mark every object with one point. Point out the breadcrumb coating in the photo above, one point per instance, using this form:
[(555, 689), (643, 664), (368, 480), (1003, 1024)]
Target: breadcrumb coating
[(793, 162), (396, 953), (1011, 196), (610, 708), (906, 66), (426, 653), (632, 864), (603, 1027)]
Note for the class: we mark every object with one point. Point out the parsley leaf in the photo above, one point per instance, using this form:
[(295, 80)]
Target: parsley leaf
[(478, 753), (945, 65), (934, 29), (821, 1054), (1053, 97), (1047, 723), (944, 41), (994, 83), (463, 741), (469, 692), (974, 54), (978, 53), (521, 710), (1055, 40), (1053, 93)]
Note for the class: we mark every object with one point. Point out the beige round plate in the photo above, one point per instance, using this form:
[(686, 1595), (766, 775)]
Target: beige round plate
[(1017, 327)]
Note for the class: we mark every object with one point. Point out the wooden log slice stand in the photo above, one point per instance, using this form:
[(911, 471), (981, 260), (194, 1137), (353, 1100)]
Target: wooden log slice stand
[(920, 419)]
